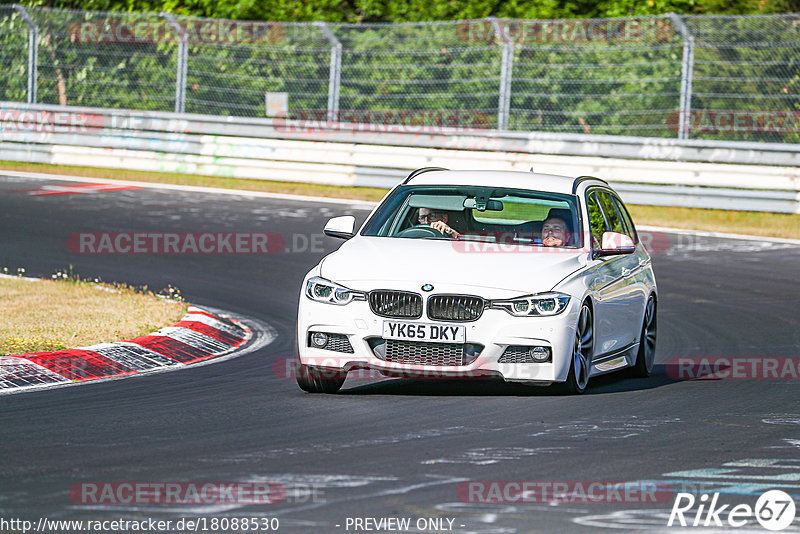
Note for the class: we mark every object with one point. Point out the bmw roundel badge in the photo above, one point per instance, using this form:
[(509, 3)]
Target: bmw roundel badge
[(427, 287)]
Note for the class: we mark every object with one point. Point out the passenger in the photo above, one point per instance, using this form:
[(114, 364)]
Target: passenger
[(436, 219)]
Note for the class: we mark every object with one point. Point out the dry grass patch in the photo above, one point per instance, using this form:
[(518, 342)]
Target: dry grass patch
[(53, 315)]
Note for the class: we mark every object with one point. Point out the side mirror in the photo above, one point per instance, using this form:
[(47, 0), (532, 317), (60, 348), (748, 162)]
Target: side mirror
[(342, 227), (615, 243)]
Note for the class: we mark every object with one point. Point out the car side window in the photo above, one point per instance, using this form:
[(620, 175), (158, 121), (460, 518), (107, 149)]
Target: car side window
[(630, 229), (597, 221), (612, 217)]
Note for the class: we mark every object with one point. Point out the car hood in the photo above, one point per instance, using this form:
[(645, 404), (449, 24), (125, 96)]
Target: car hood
[(419, 261)]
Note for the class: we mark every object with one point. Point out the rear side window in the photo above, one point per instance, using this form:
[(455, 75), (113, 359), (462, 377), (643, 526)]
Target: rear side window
[(597, 221), (610, 211), (630, 230)]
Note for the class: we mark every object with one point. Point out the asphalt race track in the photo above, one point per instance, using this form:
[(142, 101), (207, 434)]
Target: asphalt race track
[(393, 448)]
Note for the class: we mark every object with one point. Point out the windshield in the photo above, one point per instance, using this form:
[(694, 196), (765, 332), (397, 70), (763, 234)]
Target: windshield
[(500, 215)]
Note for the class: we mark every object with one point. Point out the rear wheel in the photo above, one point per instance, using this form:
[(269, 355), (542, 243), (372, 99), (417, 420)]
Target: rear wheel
[(582, 351), (315, 380), (647, 343)]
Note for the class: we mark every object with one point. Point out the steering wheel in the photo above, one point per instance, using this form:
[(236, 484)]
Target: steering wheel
[(421, 230)]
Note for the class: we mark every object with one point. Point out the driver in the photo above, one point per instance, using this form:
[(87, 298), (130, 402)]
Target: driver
[(437, 220), (555, 232)]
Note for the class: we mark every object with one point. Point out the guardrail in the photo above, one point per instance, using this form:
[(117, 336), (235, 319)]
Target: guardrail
[(644, 170)]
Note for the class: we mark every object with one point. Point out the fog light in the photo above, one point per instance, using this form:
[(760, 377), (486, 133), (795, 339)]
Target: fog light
[(540, 354), (319, 340)]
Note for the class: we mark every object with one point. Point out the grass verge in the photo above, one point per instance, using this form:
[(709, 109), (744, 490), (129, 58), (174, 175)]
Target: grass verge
[(734, 222), (741, 222), (52, 315)]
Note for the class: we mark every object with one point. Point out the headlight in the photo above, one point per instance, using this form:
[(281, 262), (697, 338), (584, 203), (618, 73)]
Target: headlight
[(544, 304), (322, 290)]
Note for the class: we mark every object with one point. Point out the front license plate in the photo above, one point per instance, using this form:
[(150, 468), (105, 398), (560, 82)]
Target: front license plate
[(437, 333)]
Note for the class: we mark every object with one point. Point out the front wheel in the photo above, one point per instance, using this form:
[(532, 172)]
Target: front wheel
[(315, 380), (582, 351), (647, 343)]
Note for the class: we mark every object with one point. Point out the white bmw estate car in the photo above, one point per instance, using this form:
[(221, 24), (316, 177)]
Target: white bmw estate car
[(517, 276)]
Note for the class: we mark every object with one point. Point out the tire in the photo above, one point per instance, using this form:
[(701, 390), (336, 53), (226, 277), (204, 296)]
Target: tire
[(582, 352), (647, 342), (315, 380)]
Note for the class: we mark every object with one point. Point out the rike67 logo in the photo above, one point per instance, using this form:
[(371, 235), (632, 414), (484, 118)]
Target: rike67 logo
[(774, 510)]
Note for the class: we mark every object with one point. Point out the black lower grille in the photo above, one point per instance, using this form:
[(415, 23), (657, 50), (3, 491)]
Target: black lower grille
[(336, 343), (516, 354), (420, 353), (522, 354), (396, 304), (460, 308), (424, 353)]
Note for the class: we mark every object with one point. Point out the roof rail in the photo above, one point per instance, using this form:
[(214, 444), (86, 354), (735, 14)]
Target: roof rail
[(420, 171), (580, 179)]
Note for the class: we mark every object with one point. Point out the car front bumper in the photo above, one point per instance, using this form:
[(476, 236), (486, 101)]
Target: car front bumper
[(495, 330)]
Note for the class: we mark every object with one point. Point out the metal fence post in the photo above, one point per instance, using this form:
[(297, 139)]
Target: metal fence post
[(183, 61), (33, 52), (684, 116), (335, 72), (506, 67)]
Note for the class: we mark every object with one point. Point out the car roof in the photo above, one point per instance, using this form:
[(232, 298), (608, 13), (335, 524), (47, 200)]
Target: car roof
[(512, 179)]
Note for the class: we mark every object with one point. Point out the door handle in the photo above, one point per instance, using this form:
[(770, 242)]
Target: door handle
[(626, 272)]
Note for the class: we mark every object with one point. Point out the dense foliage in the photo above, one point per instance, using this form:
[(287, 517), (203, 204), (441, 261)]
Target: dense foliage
[(422, 10), (420, 73)]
